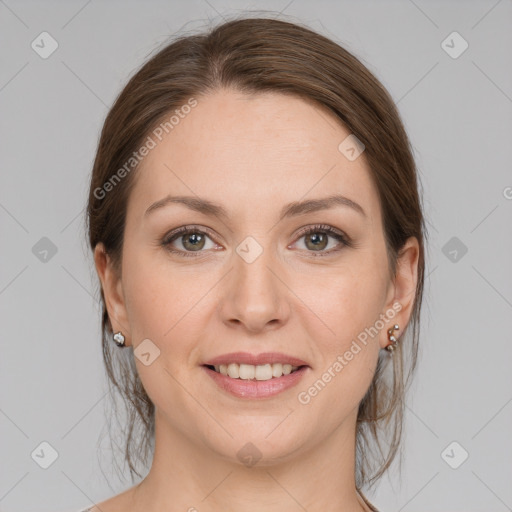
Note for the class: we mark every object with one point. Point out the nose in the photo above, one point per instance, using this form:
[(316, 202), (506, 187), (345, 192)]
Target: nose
[(255, 296)]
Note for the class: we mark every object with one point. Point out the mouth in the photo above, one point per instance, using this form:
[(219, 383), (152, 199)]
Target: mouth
[(249, 381), (261, 372)]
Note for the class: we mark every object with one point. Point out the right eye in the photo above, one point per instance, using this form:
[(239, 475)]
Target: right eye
[(190, 238)]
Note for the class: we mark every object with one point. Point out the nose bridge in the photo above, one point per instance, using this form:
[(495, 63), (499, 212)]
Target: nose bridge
[(256, 296)]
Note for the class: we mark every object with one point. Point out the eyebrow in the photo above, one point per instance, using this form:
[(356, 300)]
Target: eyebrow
[(290, 210)]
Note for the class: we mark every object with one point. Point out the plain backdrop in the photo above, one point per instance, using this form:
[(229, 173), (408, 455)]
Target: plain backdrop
[(456, 106)]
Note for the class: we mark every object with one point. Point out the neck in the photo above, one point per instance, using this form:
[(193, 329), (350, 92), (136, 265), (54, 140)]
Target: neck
[(188, 476)]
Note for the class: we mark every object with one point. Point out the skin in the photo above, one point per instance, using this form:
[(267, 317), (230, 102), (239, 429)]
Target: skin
[(253, 154)]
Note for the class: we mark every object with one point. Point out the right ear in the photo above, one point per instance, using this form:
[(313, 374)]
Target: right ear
[(111, 284)]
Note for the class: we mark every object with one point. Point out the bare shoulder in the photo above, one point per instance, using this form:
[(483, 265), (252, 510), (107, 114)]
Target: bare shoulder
[(120, 503), (110, 505)]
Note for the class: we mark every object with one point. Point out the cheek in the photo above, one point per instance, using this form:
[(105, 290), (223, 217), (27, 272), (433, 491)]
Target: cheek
[(161, 308), (349, 305), (152, 295), (346, 308), (346, 299), (166, 302)]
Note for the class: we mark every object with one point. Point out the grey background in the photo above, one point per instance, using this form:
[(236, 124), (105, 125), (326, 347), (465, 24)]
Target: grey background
[(458, 115)]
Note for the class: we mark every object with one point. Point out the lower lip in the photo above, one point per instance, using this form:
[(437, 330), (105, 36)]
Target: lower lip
[(242, 388)]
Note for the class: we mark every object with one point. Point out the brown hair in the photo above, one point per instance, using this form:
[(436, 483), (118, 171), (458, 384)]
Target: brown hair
[(256, 55)]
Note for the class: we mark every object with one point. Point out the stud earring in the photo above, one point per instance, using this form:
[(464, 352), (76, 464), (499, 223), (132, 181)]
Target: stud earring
[(119, 339), (393, 340)]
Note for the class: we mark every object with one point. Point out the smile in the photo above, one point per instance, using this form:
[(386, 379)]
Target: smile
[(257, 372), (255, 382)]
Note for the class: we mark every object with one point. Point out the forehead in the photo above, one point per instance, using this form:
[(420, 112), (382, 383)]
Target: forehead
[(252, 153)]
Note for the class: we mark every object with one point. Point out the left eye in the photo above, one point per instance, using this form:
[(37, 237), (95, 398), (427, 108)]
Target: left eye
[(317, 240)]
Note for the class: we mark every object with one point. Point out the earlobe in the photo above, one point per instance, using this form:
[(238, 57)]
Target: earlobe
[(404, 286), (112, 290)]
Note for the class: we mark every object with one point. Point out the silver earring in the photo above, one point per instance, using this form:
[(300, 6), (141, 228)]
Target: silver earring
[(119, 339), (393, 340)]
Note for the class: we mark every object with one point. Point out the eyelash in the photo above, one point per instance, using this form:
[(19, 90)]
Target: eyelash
[(318, 228)]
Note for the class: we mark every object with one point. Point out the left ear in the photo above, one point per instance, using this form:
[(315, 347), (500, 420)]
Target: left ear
[(403, 289)]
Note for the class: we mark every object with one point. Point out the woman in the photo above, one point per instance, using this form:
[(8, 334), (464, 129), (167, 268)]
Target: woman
[(257, 231)]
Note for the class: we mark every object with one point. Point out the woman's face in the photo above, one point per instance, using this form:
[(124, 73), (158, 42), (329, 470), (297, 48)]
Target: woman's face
[(247, 280)]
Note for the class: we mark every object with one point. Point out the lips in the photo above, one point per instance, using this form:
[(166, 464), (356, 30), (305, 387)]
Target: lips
[(255, 359), (261, 385), (253, 388)]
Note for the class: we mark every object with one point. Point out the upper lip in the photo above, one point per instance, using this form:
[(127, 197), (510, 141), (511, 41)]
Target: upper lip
[(256, 359)]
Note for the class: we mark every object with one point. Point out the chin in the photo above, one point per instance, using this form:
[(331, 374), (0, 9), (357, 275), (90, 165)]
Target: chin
[(258, 446)]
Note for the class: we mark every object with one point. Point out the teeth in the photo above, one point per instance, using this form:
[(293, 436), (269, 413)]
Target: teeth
[(233, 371), (277, 370), (260, 372)]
